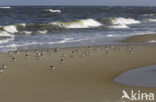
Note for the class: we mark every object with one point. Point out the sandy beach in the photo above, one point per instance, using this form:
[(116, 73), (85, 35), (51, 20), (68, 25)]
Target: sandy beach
[(81, 74), (146, 38)]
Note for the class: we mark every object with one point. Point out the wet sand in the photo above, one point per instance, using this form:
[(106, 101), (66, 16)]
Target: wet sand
[(141, 38), (83, 75)]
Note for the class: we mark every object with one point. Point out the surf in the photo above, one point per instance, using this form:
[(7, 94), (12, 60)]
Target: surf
[(53, 11), (85, 23), (5, 7)]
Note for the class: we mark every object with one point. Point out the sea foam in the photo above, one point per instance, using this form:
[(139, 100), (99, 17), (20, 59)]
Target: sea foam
[(5, 7), (121, 20), (85, 23), (53, 11)]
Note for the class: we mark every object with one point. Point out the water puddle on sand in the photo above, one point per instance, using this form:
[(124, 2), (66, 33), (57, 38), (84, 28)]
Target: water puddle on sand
[(140, 77)]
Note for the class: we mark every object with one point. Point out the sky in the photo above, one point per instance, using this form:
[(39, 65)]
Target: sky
[(80, 2)]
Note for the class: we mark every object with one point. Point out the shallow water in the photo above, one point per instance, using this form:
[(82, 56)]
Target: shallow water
[(141, 77)]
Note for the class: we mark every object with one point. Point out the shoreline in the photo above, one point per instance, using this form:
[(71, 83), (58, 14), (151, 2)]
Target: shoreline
[(145, 39), (85, 75)]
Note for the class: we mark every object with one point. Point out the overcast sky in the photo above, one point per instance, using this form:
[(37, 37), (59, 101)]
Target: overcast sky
[(80, 2)]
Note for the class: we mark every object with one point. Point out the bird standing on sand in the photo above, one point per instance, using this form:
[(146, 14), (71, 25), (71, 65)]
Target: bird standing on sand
[(14, 59), (26, 55), (52, 67), (1, 70), (106, 53), (56, 49), (61, 60), (4, 66)]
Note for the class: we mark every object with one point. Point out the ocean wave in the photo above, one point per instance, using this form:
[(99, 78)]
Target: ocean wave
[(145, 15), (121, 20), (150, 20), (85, 23), (5, 34), (5, 7), (10, 28), (26, 32), (5, 37), (42, 28), (118, 26), (53, 11)]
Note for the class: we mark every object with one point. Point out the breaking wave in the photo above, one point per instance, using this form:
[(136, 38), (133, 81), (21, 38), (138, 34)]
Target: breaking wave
[(146, 15), (5, 7), (150, 20), (87, 23), (118, 26), (119, 23), (121, 20), (42, 28), (53, 11), (5, 37)]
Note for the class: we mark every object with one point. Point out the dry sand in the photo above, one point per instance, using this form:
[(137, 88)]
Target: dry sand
[(86, 76)]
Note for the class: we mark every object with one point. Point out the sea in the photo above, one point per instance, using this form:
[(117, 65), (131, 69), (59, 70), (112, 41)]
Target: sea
[(37, 27)]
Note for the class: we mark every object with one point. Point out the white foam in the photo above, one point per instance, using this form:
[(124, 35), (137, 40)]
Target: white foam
[(5, 34), (86, 23), (118, 26), (42, 32), (53, 11), (7, 37), (5, 7), (64, 40), (148, 15), (141, 77), (121, 20), (26, 32), (22, 24), (10, 28)]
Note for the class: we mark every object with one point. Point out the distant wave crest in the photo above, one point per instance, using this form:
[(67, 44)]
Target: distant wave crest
[(5, 7), (87, 23), (150, 20), (121, 20), (42, 28), (53, 11)]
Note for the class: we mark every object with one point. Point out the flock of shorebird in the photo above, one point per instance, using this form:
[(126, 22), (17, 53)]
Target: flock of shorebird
[(87, 52)]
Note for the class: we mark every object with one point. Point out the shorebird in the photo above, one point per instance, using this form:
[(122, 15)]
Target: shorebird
[(52, 67), (73, 51), (42, 56), (76, 50), (14, 59), (17, 52), (1, 70), (64, 55), (106, 48), (89, 48), (43, 52), (56, 49), (116, 48), (106, 53), (50, 53), (26, 55), (4, 66), (26, 52), (131, 51), (38, 54), (61, 60)]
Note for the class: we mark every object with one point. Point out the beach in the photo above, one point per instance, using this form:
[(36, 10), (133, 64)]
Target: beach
[(75, 74), (77, 53)]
